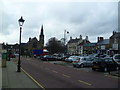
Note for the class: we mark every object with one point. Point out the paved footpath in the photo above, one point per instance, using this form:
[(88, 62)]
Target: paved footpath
[(0, 74), (13, 79)]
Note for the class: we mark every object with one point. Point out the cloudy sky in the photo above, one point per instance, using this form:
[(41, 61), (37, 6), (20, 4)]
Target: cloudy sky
[(84, 18)]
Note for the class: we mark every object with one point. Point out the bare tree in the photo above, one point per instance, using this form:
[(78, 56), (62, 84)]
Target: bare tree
[(55, 46)]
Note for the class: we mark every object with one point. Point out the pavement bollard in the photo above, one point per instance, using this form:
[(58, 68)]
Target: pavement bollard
[(4, 57)]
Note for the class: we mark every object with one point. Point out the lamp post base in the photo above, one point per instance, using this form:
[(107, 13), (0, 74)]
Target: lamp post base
[(18, 68)]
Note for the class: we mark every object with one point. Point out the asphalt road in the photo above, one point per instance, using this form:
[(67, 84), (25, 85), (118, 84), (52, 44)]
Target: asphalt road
[(50, 75)]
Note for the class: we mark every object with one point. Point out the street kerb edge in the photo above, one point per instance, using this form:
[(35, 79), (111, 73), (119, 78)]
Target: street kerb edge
[(33, 79)]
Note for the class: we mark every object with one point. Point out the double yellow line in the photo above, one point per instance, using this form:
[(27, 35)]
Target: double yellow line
[(33, 79)]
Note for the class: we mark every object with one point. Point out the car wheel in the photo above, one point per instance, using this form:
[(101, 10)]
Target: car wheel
[(74, 65), (82, 65), (105, 69), (93, 69)]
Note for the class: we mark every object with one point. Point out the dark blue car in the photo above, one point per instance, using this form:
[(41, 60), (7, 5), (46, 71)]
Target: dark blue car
[(48, 58), (105, 64)]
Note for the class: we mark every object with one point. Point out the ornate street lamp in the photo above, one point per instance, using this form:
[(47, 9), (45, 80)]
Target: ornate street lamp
[(21, 21), (65, 32)]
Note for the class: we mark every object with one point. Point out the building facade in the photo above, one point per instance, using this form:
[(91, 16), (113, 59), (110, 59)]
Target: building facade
[(90, 48), (27, 48), (103, 45), (33, 44), (75, 46), (115, 43)]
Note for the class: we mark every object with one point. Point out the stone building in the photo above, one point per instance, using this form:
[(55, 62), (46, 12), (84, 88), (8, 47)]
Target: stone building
[(90, 48), (103, 45), (115, 43), (33, 44), (75, 46), (26, 48)]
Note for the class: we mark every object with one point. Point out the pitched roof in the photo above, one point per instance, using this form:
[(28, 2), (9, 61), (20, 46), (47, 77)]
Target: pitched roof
[(33, 39), (103, 42), (117, 34), (90, 44), (73, 40), (84, 42)]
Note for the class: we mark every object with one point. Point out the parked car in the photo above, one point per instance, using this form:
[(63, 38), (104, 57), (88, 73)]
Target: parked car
[(116, 58), (59, 57), (71, 58), (12, 56), (83, 62), (48, 58), (66, 57), (92, 56), (105, 64), (40, 57), (16, 55)]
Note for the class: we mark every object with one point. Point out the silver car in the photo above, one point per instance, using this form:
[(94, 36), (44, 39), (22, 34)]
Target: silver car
[(82, 62), (72, 58)]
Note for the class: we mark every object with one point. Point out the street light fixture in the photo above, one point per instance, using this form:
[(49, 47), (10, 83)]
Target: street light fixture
[(21, 21), (65, 32)]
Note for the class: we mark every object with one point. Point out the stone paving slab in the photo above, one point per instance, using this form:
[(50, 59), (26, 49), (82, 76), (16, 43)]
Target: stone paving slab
[(13, 79), (0, 74)]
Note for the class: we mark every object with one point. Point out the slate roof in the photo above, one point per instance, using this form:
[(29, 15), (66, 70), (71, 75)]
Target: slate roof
[(84, 42), (73, 40), (90, 44), (103, 42), (117, 34)]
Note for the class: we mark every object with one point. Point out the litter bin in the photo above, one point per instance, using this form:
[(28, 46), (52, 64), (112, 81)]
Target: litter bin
[(4, 57)]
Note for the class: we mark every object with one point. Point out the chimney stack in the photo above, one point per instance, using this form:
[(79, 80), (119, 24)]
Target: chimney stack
[(81, 37), (101, 38), (29, 39), (87, 38), (98, 39)]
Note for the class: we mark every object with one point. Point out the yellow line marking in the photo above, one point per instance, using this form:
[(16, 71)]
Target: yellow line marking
[(112, 76), (33, 79), (54, 71), (84, 82), (66, 76)]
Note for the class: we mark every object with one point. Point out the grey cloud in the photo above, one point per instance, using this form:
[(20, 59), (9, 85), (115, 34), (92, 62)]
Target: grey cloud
[(90, 19), (8, 23)]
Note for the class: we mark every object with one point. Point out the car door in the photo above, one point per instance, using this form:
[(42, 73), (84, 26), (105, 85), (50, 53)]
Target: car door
[(89, 62), (111, 65), (85, 61)]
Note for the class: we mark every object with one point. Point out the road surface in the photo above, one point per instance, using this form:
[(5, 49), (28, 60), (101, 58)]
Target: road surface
[(57, 76)]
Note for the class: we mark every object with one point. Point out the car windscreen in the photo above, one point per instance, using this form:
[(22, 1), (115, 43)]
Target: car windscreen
[(89, 59), (99, 59), (117, 57)]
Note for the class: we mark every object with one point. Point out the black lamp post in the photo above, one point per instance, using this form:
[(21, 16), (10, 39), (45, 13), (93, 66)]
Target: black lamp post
[(21, 21)]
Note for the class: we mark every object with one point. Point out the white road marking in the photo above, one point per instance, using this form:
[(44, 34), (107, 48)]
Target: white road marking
[(110, 76), (86, 83), (66, 76), (54, 71)]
